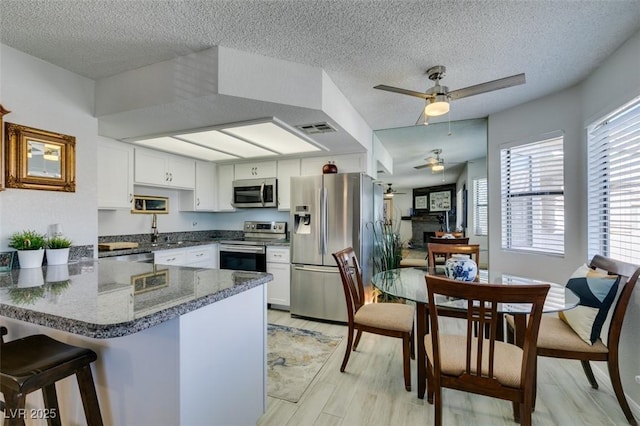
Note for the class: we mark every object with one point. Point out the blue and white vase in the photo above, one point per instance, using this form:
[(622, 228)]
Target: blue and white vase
[(461, 267)]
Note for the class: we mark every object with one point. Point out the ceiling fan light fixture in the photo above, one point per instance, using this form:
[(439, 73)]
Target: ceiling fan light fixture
[(438, 105), (437, 168)]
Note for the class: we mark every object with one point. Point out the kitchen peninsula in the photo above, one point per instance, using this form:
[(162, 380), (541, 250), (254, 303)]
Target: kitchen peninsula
[(175, 345)]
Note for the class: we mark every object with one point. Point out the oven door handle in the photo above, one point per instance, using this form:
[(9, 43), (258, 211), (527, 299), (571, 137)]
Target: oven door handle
[(243, 249), (262, 193)]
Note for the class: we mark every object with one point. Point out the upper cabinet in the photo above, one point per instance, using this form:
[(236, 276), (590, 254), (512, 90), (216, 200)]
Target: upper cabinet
[(286, 170), (263, 169), (346, 163), (225, 188), (158, 168), (115, 175), (205, 196)]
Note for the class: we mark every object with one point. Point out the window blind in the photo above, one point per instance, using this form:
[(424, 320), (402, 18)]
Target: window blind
[(532, 195), (614, 184), (480, 207)]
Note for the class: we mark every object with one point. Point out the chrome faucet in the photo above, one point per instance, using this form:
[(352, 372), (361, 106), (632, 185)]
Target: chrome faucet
[(154, 227)]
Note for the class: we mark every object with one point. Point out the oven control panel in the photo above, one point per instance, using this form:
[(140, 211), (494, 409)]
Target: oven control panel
[(265, 227)]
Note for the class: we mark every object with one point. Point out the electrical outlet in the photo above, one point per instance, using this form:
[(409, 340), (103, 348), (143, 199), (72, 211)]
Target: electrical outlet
[(638, 380)]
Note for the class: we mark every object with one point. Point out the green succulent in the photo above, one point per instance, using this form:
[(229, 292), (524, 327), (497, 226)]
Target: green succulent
[(58, 243), (27, 240)]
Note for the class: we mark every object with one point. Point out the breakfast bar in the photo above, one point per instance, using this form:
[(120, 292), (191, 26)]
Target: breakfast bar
[(176, 345)]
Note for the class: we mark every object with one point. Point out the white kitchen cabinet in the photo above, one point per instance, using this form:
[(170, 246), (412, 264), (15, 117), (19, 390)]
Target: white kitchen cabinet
[(278, 290), (115, 175), (225, 187), (346, 163), (158, 168), (255, 170), (203, 256), (286, 170), (174, 257), (205, 196)]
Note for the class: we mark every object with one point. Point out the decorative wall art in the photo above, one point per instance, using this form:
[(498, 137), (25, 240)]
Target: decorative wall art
[(421, 202), (39, 159), (440, 201)]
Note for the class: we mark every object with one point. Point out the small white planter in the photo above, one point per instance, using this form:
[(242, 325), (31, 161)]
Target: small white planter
[(30, 258), (57, 256)]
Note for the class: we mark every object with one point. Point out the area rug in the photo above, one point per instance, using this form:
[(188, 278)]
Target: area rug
[(294, 357)]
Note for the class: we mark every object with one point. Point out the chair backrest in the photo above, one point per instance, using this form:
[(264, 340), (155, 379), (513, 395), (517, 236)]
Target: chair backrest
[(462, 240), (482, 315), (628, 273), (351, 276), (446, 250), (455, 234)]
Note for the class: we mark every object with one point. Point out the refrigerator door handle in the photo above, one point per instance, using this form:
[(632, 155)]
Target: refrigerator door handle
[(321, 211), (325, 218)]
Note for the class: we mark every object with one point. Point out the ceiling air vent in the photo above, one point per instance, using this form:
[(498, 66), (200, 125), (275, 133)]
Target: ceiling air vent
[(315, 128)]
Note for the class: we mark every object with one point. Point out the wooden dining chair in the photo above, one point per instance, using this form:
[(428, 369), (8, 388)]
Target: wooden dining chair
[(461, 240), (481, 363), (387, 319), (437, 251), (558, 340)]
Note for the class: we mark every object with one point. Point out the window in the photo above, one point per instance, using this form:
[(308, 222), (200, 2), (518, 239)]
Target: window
[(480, 207), (532, 195), (614, 184)]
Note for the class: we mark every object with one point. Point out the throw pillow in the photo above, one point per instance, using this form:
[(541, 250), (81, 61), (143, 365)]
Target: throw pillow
[(596, 291)]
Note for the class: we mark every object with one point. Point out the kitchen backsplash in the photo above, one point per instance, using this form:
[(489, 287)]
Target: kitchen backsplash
[(173, 236)]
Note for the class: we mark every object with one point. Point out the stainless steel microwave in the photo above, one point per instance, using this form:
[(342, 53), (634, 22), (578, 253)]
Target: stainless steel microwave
[(255, 192)]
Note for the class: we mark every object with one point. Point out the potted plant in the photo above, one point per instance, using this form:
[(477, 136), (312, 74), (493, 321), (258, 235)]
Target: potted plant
[(387, 250), (30, 247), (58, 250)]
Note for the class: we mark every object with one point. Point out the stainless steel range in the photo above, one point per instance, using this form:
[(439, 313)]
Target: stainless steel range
[(250, 252)]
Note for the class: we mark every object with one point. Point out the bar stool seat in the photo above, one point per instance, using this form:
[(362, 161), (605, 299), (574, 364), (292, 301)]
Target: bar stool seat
[(38, 362)]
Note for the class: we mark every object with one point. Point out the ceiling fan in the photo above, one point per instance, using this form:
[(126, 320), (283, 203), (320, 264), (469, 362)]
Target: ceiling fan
[(437, 97), (390, 192), (435, 163)]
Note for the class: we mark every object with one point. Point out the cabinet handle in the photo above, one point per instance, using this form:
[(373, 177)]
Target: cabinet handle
[(166, 176), (131, 198), (199, 254), (171, 179), (197, 201)]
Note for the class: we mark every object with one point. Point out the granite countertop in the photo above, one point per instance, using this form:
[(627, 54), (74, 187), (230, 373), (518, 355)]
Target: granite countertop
[(107, 298), (150, 248)]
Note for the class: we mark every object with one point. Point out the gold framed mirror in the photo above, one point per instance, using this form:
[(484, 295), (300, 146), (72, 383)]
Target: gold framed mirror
[(39, 159)]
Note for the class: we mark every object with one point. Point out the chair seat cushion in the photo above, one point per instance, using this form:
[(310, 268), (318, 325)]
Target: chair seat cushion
[(453, 358), (26, 358), (390, 316), (413, 263), (597, 292), (556, 334)]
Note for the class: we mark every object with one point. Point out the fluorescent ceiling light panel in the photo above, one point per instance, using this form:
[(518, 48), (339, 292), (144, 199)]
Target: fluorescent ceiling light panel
[(273, 137), (184, 148), (217, 140)]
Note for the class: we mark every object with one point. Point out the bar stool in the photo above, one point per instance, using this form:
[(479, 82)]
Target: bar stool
[(38, 362)]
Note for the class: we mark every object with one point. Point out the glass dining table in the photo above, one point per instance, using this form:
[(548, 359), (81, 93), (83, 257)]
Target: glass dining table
[(410, 284)]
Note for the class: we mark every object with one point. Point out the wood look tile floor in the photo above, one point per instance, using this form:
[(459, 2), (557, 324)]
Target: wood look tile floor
[(371, 392)]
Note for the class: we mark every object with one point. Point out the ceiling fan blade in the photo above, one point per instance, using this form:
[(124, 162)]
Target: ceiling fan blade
[(402, 91), (422, 166), (489, 86)]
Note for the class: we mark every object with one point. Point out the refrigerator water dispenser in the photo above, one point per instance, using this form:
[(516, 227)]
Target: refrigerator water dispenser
[(302, 220)]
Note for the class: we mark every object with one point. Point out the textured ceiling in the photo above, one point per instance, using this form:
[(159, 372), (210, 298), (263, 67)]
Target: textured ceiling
[(358, 43)]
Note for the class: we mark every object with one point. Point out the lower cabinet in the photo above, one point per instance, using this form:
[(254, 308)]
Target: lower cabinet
[(205, 256), (278, 293)]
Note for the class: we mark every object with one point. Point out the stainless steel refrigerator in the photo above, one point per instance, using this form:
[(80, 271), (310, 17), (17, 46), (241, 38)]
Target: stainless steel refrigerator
[(328, 213)]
